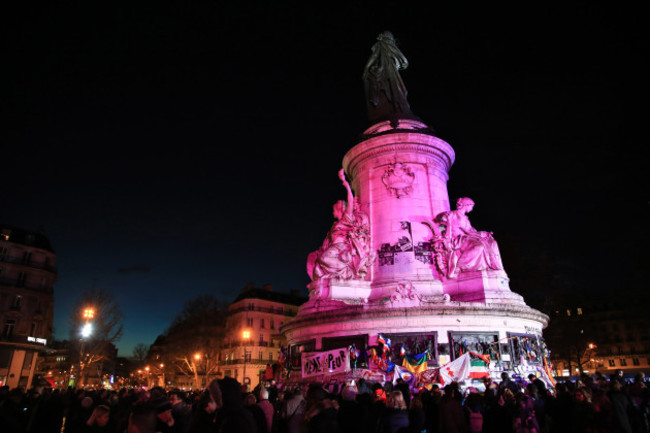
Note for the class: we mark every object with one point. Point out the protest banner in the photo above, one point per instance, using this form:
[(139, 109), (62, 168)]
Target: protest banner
[(329, 362)]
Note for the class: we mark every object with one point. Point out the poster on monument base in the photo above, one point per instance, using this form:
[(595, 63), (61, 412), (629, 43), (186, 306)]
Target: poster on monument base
[(329, 362)]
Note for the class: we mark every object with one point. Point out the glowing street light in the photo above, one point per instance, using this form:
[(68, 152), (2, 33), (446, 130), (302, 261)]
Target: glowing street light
[(86, 330), (89, 313), (246, 335)]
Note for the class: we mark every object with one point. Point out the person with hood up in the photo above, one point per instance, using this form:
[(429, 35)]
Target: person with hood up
[(231, 415)]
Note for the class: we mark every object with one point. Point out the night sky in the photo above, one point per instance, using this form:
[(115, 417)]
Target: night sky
[(171, 151)]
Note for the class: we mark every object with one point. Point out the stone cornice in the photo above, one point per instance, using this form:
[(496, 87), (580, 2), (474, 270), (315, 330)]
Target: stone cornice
[(381, 312), (399, 143)]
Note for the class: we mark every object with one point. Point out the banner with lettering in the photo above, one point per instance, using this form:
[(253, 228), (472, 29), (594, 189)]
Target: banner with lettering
[(330, 362)]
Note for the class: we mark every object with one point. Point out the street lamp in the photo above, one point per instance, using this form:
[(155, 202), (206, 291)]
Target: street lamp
[(86, 331), (246, 336), (197, 358)]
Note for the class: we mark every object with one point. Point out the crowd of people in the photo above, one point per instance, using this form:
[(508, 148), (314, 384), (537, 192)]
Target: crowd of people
[(591, 404)]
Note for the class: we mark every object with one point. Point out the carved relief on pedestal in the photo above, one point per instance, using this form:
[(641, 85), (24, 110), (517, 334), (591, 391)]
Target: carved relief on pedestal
[(345, 253), (405, 295), (398, 179), (458, 247)]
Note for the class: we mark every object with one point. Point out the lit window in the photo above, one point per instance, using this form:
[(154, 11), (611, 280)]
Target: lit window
[(579, 311), (568, 312)]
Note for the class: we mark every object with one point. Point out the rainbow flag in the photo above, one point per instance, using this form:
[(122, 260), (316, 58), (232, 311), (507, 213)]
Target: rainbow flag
[(415, 364)]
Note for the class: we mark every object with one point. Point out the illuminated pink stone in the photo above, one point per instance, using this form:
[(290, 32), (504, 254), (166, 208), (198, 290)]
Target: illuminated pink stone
[(393, 234), (424, 269), (398, 261)]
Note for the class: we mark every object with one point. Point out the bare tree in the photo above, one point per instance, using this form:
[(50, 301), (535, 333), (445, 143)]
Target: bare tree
[(193, 341), (140, 352), (96, 324)]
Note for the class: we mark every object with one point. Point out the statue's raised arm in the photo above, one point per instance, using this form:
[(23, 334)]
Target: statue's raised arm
[(345, 253), (349, 205)]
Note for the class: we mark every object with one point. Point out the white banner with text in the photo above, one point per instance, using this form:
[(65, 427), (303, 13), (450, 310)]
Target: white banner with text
[(330, 362)]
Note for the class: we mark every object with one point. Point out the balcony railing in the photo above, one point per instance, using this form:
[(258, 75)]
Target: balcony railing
[(29, 263), (251, 344), (271, 310), (250, 361), (13, 282)]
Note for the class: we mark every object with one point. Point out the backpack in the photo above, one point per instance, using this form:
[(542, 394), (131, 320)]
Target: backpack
[(475, 421)]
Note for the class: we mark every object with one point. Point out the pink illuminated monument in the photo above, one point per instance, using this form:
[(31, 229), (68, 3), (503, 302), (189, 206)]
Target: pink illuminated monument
[(399, 264)]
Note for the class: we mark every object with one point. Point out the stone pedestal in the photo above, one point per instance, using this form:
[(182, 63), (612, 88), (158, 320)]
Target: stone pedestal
[(400, 176)]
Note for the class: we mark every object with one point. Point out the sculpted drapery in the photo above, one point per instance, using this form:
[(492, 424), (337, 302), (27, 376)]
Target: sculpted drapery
[(345, 253), (459, 247)]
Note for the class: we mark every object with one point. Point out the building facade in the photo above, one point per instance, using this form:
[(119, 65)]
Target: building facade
[(27, 277), (600, 335), (253, 341)]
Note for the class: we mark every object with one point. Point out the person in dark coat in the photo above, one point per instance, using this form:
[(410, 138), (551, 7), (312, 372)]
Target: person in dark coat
[(202, 420), (352, 415), (417, 417), (165, 419), (181, 411), (100, 421), (451, 416), (12, 416), (396, 416), (539, 384), (621, 406), (250, 404), (231, 416), (320, 415)]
